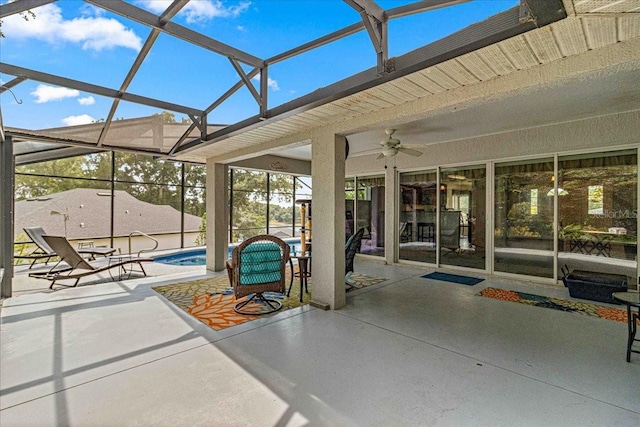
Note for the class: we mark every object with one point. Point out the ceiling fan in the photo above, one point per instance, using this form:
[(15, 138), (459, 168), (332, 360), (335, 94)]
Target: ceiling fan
[(391, 146)]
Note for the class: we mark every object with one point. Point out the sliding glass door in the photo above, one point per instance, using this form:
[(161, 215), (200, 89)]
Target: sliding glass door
[(597, 212), (462, 216), (417, 217), (523, 229)]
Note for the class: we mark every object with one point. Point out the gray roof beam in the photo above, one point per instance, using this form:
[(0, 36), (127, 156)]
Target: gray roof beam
[(11, 83), (375, 21), (247, 81), (20, 6), (149, 19), (195, 122), (172, 10), (420, 6), (27, 135), (95, 89), (369, 7), (59, 152), (127, 81), (169, 13), (336, 35), (397, 12), (233, 89), (499, 27), (543, 12)]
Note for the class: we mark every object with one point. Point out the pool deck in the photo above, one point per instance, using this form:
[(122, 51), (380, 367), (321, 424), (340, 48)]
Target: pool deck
[(407, 351)]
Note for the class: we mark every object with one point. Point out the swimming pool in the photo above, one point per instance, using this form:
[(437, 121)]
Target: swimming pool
[(199, 256)]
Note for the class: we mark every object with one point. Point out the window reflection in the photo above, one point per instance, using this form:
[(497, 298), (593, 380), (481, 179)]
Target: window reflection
[(462, 217), (417, 218), (597, 222), (523, 231)]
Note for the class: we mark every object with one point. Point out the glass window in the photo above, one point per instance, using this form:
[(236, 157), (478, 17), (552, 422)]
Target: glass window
[(145, 169), (596, 200), (304, 189), (349, 206), (248, 210), (195, 206), (417, 217), (523, 229), (90, 166), (597, 211), (281, 205), (462, 217), (150, 209), (370, 214)]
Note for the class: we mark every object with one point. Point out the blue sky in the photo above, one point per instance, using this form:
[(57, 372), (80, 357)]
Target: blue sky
[(76, 40)]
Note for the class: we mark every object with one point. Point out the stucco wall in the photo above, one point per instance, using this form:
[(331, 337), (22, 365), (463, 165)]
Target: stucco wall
[(602, 133)]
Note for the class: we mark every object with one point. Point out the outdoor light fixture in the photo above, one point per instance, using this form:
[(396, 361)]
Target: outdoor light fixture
[(561, 192)]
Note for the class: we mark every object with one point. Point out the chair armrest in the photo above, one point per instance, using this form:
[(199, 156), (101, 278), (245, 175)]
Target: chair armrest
[(230, 268)]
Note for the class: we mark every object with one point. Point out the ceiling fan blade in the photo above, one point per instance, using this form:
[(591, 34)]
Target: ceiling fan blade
[(410, 152), (380, 156)]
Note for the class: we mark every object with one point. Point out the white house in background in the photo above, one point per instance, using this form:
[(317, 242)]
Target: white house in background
[(83, 215)]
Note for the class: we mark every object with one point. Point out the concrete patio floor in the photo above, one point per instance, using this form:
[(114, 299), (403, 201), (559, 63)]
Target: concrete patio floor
[(408, 351)]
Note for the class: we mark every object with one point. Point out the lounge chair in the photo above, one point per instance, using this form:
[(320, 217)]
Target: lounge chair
[(258, 266), (44, 251), (78, 267)]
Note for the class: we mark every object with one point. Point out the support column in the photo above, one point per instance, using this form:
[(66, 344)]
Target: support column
[(7, 169), (217, 215), (327, 173), (390, 216)]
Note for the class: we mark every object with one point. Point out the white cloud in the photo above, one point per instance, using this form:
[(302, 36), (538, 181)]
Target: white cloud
[(93, 32), (270, 82), (46, 93), (199, 11), (89, 100), (82, 119)]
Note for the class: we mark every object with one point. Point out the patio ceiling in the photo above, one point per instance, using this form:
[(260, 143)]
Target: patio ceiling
[(536, 34)]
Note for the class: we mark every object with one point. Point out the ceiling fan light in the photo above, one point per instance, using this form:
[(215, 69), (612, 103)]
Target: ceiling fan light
[(389, 152), (457, 176)]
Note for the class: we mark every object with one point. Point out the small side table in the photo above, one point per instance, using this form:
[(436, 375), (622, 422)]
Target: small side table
[(303, 273), (123, 274), (631, 299)]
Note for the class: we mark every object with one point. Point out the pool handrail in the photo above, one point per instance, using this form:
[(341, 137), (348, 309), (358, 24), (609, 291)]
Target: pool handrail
[(140, 233)]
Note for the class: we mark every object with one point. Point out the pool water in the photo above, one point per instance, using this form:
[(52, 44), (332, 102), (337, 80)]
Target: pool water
[(199, 256)]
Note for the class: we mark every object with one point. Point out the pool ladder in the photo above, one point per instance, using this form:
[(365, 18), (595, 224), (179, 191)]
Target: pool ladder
[(140, 233)]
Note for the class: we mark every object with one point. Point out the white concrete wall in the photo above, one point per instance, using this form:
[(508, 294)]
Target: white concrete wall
[(602, 133)]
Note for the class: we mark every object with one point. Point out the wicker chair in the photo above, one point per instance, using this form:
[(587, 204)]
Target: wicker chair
[(257, 266)]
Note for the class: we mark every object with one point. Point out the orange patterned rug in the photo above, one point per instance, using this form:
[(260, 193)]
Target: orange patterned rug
[(211, 300), (578, 307)]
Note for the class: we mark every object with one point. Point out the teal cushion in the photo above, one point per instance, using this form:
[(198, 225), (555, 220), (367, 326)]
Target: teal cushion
[(260, 262), (346, 245)]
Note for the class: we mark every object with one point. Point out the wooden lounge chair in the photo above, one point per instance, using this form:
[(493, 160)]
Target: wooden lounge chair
[(44, 252), (78, 267), (257, 266)]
